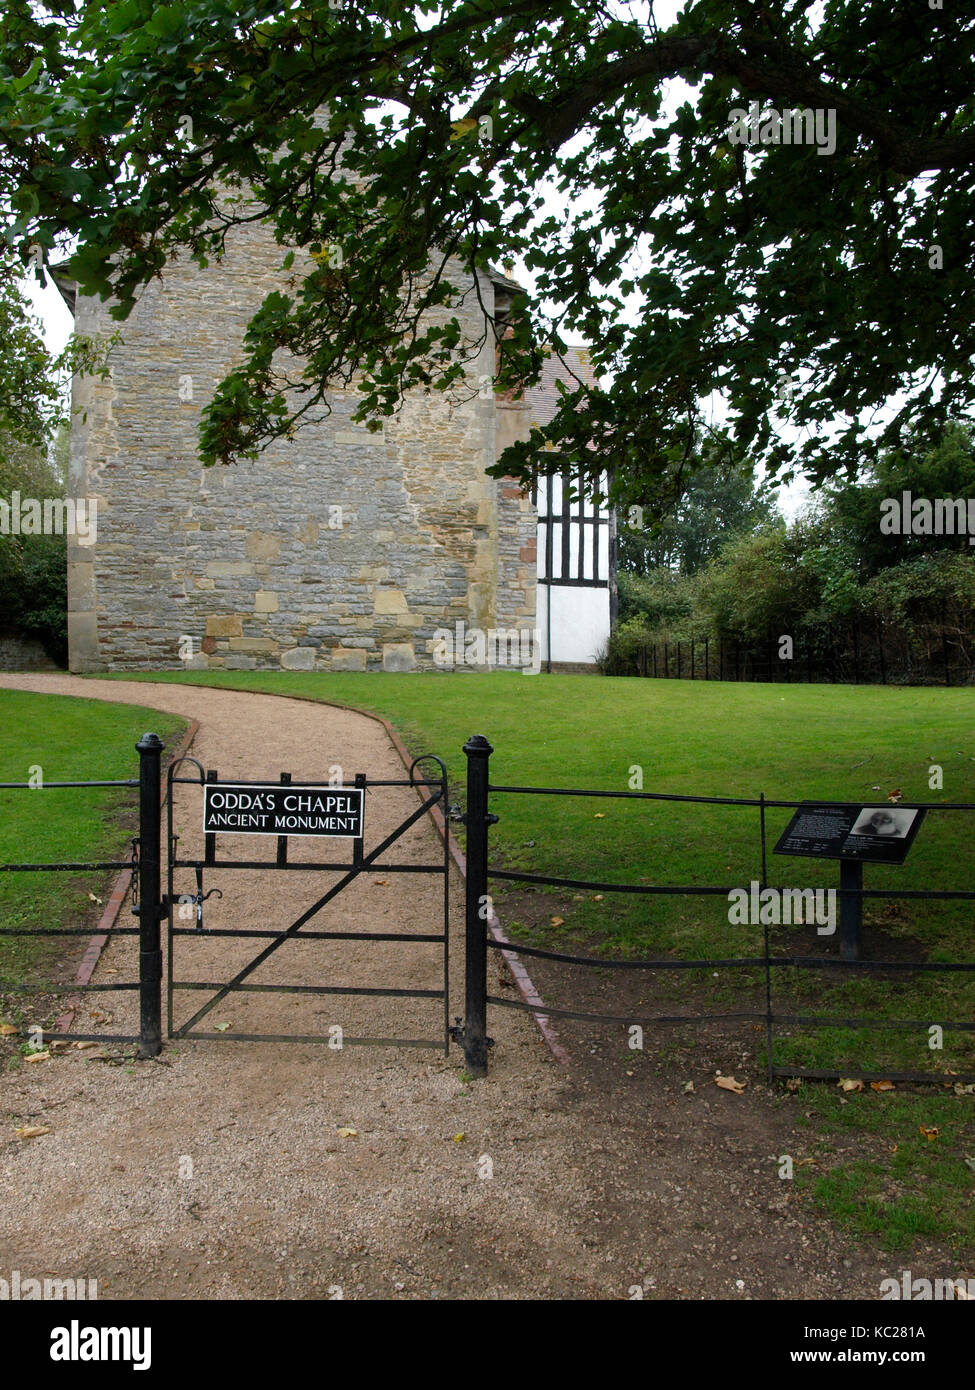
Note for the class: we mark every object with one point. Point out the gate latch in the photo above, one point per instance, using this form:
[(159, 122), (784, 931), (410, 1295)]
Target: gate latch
[(201, 897)]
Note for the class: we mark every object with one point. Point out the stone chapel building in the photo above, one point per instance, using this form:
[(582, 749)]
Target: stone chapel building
[(337, 550)]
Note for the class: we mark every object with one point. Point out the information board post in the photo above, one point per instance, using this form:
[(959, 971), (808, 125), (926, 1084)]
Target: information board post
[(851, 908)]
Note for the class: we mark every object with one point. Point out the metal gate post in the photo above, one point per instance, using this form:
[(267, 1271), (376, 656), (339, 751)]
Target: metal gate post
[(150, 910), (473, 1036)]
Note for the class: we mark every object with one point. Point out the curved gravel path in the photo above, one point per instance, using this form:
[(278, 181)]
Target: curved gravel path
[(221, 1170)]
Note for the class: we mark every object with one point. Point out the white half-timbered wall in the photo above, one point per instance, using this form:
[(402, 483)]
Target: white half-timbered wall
[(574, 557)]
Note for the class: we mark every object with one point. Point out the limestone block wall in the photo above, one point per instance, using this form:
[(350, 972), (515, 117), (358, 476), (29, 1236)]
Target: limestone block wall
[(336, 550), (517, 526)]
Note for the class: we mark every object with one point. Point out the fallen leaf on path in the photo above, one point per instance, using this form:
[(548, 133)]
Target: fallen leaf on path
[(688, 1088), (81, 1046), (882, 1086), (728, 1083), (895, 795), (848, 1084), (32, 1131), (221, 1027), (7, 1030), (44, 1056), (458, 1138), (929, 1131), (557, 921), (94, 899), (381, 882), (346, 1132)]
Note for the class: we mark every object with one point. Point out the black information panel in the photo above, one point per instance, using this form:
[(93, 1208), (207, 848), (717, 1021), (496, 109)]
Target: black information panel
[(869, 834), (254, 808)]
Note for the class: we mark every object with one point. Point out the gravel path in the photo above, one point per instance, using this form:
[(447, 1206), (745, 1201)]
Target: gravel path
[(221, 1170)]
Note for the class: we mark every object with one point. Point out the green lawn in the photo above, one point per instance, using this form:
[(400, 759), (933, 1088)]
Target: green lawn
[(69, 740), (913, 1173)]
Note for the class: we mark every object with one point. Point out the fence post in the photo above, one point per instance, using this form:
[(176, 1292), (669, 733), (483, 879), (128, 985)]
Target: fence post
[(473, 1036), (150, 910)]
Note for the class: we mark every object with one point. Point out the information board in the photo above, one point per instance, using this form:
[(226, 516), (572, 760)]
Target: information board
[(869, 834)]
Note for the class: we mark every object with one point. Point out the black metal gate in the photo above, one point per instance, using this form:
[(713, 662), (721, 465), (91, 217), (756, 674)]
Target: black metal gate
[(432, 791)]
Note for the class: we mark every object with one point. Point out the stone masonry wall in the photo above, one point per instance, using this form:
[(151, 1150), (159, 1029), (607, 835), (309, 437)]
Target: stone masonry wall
[(337, 550), (517, 526)]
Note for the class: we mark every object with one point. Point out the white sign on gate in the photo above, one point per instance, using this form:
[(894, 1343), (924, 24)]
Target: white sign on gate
[(261, 808)]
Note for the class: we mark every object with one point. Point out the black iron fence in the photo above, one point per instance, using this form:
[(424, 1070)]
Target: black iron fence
[(474, 1035), (860, 654), (151, 906), (148, 906)]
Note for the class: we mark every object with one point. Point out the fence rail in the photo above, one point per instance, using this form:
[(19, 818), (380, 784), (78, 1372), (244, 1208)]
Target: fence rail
[(148, 906), (479, 819)]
